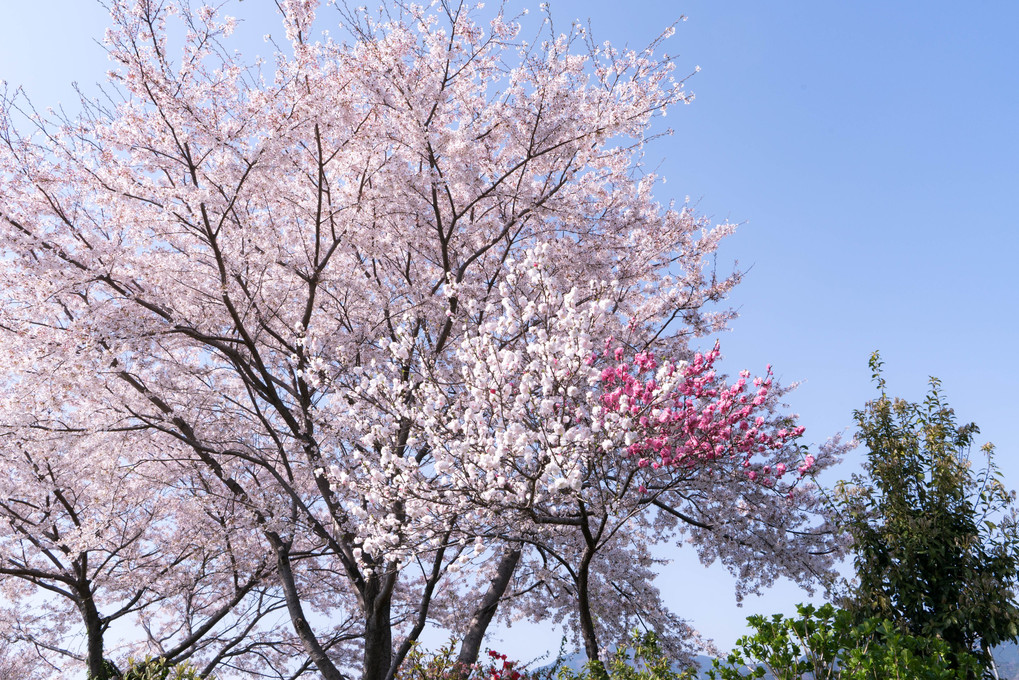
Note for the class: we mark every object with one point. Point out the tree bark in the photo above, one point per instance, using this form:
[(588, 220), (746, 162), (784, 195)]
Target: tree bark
[(471, 645), (93, 633), (378, 631), (584, 604)]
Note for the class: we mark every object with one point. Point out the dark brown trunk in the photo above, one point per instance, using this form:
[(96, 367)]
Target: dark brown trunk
[(471, 645), (586, 617), (583, 581), (93, 634), (378, 631)]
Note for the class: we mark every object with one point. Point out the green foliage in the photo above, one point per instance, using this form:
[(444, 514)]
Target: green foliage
[(787, 648), (441, 665), (936, 545), (881, 650), (157, 668), (150, 668), (825, 644), (642, 660)]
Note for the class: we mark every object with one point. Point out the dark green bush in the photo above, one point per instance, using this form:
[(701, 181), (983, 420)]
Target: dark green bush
[(825, 644)]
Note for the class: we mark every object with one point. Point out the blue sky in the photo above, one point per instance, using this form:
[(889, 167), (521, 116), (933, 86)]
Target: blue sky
[(871, 150)]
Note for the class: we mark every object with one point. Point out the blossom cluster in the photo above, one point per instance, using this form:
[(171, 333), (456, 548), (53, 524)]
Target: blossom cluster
[(682, 414)]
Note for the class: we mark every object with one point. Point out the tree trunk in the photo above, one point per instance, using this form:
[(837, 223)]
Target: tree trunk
[(378, 631), (93, 634), (584, 604), (471, 645)]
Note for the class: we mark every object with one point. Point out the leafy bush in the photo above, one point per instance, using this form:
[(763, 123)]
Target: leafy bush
[(825, 644), (157, 668)]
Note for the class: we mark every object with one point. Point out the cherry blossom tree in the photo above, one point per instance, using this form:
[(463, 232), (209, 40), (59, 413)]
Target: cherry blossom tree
[(362, 297), (102, 546), (82, 546)]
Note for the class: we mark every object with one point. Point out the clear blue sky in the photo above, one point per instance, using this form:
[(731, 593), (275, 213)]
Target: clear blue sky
[(871, 148)]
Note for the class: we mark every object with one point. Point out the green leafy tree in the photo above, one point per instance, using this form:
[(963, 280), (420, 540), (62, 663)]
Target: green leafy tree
[(935, 541), (826, 643)]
